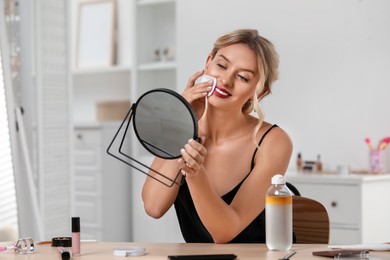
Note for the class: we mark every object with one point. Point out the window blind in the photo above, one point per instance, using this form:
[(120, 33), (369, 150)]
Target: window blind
[(8, 209)]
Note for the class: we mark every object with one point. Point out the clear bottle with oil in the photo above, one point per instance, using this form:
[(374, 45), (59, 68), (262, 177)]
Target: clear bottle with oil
[(278, 212)]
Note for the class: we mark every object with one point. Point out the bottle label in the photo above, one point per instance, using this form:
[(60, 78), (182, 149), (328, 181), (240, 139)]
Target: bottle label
[(278, 200)]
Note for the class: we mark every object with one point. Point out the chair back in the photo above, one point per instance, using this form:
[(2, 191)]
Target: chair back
[(310, 221)]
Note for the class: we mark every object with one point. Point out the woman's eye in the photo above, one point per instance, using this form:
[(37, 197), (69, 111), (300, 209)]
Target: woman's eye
[(243, 78), (221, 66)]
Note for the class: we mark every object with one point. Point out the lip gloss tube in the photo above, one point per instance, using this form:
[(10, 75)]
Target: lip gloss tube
[(64, 253), (76, 236)]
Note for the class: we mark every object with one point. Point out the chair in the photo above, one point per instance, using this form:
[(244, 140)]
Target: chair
[(310, 221), (293, 189)]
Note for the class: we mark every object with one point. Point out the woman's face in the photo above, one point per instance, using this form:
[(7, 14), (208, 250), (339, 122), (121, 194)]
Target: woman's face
[(236, 70)]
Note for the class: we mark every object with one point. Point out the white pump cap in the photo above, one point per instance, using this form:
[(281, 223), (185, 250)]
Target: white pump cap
[(278, 179)]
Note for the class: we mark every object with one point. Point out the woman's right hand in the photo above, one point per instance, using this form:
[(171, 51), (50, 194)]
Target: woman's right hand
[(195, 94)]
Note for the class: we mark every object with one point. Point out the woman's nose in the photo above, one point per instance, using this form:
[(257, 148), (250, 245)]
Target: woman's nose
[(226, 79)]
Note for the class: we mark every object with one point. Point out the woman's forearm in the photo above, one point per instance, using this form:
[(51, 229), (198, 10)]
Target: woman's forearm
[(157, 197)]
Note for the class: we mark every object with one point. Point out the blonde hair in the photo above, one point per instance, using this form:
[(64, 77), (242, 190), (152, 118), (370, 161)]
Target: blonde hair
[(268, 62)]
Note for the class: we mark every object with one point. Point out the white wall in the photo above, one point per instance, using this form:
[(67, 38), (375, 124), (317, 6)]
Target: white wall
[(335, 56)]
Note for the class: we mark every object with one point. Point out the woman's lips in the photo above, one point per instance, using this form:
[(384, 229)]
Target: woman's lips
[(221, 93)]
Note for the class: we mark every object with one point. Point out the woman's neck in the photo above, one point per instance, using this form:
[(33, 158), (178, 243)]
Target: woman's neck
[(218, 125)]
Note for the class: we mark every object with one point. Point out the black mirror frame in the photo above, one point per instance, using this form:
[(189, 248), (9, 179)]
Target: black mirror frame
[(183, 101), (125, 125)]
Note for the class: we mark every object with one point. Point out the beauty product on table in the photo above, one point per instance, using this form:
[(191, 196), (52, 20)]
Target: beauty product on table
[(65, 255), (132, 251), (76, 236), (22, 246), (278, 209), (60, 242)]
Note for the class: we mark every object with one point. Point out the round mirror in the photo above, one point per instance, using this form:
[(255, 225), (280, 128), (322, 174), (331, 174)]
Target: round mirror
[(164, 122)]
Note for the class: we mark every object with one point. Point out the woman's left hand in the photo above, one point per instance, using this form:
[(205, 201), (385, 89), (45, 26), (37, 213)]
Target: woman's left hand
[(193, 156)]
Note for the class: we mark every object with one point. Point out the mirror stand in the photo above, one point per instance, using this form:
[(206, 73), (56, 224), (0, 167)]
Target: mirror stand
[(116, 149)]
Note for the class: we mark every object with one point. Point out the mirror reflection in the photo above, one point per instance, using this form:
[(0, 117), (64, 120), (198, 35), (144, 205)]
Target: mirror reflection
[(164, 122)]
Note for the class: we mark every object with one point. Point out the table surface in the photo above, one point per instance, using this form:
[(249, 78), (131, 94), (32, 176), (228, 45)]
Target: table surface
[(104, 250)]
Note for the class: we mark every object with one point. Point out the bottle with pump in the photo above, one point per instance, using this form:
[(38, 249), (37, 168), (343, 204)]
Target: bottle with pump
[(278, 215)]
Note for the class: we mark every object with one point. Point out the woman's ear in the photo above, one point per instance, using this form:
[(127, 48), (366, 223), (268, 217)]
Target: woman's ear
[(208, 61)]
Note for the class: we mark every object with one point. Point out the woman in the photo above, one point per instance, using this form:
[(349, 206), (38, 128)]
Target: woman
[(229, 171)]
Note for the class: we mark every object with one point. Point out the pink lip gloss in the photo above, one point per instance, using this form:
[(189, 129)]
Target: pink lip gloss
[(76, 236), (64, 253)]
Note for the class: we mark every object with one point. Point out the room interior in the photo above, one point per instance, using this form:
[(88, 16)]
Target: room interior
[(75, 84)]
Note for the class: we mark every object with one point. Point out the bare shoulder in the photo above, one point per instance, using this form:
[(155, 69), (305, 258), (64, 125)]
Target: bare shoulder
[(276, 148), (276, 136)]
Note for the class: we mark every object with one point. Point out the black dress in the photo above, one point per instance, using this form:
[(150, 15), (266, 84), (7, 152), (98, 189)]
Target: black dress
[(192, 228)]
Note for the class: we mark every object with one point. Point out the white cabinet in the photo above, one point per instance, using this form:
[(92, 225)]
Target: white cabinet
[(101, 185), (87, 181), (356, 204)]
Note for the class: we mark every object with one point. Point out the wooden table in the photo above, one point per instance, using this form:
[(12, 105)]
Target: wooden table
[(104, 250)]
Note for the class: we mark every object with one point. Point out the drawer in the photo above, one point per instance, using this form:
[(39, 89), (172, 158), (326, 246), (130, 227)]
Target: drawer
[(84, 137), (87, 156), (86, 183), (344, 236), (343, 202)]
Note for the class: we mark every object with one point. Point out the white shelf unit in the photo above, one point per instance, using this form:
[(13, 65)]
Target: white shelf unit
[(150, 25), (108, 70), (92, 86), (154, 30)]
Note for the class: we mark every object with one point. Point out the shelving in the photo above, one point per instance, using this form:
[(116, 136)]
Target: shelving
[(161, 65), (108, 70), (150, 25), (155, 31), (154, 62), (153, 2)]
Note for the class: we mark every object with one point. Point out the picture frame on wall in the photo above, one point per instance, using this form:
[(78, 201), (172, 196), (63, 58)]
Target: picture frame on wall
[(96, 34)]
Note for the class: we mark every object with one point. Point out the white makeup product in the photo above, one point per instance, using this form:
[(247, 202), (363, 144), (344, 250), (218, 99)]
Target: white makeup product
[(132, 251), (206, 78)]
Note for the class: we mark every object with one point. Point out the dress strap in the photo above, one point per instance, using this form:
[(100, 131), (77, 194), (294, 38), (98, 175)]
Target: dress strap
[(258, 145)]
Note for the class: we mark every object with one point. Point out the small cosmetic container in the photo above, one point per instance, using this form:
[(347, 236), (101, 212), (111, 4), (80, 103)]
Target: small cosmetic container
[(75, 236)]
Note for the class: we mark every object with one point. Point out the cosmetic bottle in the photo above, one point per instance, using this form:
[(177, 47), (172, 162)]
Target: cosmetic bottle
[(278, 215), (318, 164), (299, 162), (76, 236)]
